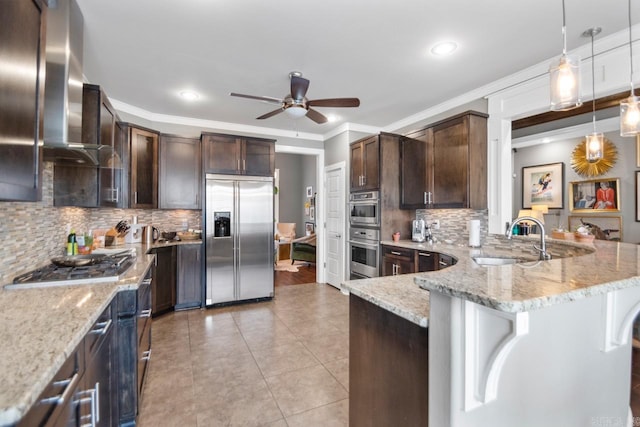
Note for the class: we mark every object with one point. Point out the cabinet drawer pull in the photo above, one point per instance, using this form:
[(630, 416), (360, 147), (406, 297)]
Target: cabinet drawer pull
[(425, 197), (146, 282), (146, 355), (424, 254), (102, 327), (61, 398), (395, 253), (145, 313), (442, 263)]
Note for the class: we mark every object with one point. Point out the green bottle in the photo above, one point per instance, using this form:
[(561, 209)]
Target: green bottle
[(72, 245)]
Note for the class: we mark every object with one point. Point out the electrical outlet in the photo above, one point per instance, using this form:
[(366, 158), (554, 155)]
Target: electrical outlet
[(436, 224)]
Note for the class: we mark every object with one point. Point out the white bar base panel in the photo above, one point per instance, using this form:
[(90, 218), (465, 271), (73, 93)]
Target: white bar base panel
[(565, 365)]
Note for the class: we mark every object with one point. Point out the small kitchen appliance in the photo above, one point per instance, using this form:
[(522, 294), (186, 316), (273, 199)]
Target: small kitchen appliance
[(418, 233)]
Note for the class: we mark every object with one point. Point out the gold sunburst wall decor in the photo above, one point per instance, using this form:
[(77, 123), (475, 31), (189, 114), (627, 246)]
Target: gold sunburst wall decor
[(581, 165)]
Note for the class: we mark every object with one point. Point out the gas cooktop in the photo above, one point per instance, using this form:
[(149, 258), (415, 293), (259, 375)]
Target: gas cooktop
[(110, 269)]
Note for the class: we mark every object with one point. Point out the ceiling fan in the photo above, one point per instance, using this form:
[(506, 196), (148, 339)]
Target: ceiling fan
[(296, 103)]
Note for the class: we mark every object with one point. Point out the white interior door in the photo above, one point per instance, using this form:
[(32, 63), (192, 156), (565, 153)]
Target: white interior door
[(335, 236)]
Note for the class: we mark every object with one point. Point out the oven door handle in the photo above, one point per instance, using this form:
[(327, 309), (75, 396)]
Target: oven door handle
[(365, 245)]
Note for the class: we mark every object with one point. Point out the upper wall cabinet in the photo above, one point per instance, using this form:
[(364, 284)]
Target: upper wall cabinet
[(143, 176), (238, 155), (445, 165), (180, 173), (365, 164), (22, 35)]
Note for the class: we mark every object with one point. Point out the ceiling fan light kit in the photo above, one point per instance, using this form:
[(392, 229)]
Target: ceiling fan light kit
[(630, 107), (565, 77), (297, 105)]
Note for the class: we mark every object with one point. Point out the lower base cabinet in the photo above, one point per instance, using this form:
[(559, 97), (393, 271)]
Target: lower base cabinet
[(388, 368), (189, 276), (83, 391), (133, 348), (396, 260), (164, 279)]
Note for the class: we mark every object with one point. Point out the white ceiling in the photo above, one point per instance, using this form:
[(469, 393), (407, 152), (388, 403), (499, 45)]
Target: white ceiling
[(144, 52)]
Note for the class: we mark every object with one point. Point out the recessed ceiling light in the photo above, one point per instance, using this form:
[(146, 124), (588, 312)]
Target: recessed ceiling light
[(189, 95), (444, 48), (333, 118)]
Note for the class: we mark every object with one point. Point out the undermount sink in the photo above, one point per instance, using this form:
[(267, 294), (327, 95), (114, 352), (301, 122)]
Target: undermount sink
[(487, 260)]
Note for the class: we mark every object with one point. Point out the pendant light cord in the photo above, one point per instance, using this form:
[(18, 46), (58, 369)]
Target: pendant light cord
[(593, 81), (564, 29), (630, 50)]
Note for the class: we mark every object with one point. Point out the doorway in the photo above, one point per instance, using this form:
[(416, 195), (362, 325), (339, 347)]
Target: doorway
[(334, 186), (298, 213)]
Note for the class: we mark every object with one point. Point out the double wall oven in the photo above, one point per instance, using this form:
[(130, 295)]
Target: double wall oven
[(364, 235)]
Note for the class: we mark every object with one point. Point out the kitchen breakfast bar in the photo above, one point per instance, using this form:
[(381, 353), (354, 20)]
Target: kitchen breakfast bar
[(491, 343)]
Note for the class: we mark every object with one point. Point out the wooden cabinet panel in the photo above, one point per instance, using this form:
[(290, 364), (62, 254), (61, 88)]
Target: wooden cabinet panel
[(414, 166), (397, 261), (22, 31), (189, 276), (450, 164), (180, 176), (365, 164), (258, 157), (164, 280), (222, 153), (238, 155), (388, 368), (144, 168), (427, 261)]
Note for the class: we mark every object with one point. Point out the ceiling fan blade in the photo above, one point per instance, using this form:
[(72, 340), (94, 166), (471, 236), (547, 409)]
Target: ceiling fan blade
[(316, 116), (334, 102), (270, 114), (299, 87), (259, 98)]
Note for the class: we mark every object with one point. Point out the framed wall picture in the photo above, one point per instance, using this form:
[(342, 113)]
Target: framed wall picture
[(596, 195), (638, 151), (312, 213), (309, 191), (309, 228), (543, 185), (603, 227)]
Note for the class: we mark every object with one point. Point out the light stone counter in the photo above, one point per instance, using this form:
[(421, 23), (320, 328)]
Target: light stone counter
[(40, 327), (576, 271)]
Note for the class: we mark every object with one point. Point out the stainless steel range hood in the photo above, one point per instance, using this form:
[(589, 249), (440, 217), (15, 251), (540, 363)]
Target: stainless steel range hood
[(63, 87)]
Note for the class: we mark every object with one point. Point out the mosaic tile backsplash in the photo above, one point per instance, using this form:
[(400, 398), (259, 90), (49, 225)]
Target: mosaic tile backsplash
[(32, 233), (453, 223)]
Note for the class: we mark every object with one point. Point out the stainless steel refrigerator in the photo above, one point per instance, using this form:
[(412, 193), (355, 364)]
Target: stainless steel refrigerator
[(239, 238)]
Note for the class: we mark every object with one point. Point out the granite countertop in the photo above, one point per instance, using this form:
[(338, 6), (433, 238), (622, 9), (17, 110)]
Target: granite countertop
[(41, 327), (577, 271)]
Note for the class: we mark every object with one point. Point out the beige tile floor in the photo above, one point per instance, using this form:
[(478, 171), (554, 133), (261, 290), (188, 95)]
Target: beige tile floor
[(278, 363)]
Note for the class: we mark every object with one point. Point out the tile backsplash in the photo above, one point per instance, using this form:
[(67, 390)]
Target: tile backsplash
[(33, 232), (453, 223)]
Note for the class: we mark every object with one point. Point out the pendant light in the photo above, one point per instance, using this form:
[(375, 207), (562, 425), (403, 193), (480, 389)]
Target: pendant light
[(565, 76), (630, 107), (595, 140)]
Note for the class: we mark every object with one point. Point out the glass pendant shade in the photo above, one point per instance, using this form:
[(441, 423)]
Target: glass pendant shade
[(565, 83), (630, 116), (296, 111), (594, 146)]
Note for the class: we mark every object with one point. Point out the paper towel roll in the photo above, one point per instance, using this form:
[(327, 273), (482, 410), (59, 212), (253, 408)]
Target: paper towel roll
[(473, 227)]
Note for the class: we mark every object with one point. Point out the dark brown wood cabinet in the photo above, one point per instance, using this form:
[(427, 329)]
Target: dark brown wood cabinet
[(414, 167), (365, 164), (454, 158), (22, 31), (180, 180), (143, 175), (163, 288), (238, 155), (388, 368), (397, 261), (427, 261), (189, 276)]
